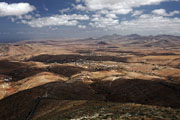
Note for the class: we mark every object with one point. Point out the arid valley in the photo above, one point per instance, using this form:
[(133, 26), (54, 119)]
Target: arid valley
[(112, 77)]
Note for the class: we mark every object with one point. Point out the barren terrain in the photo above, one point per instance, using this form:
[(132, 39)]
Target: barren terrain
[(111, 77)]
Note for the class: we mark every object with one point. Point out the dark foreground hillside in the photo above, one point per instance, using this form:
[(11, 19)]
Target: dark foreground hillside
[(62, 100)]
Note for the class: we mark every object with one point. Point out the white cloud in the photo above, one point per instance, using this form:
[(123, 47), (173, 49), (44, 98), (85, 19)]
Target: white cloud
[(145, 24), (82, 26), (80, 7), (45, 8), (15, 9), (111, 15), (57, 20), (64, 10), (99, 21), (163, 12), (37, 15), (12, 19), (28, 17), (119, 6), (137, 12), (150, 24)]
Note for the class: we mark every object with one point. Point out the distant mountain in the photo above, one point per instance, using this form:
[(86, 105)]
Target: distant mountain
[(167, 37), (110, 37), (146, 41), (116, 36), (90, 38), (133, 35)]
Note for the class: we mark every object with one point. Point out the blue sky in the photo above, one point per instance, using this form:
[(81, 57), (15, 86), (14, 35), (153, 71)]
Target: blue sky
[(48, 19)]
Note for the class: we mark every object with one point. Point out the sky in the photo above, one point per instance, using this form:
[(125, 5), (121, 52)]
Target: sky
[(52, 19)]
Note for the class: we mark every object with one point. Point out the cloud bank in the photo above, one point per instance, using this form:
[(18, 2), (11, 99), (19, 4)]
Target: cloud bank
[(58, 20), (162, 12), (102, 14), (117, 6), (15, 9)]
